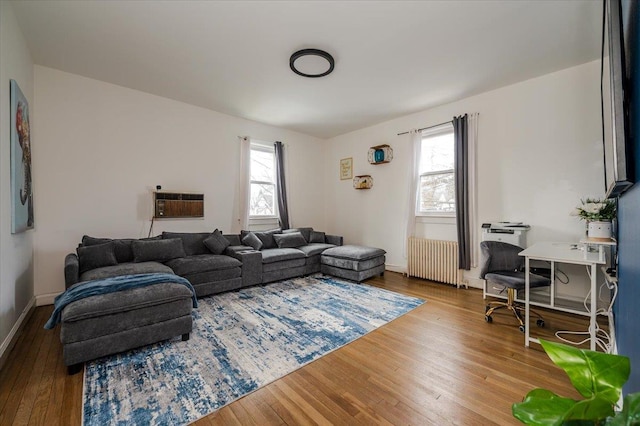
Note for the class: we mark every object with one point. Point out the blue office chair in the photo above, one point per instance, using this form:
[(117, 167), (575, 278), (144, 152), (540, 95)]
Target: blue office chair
[(501, 265)]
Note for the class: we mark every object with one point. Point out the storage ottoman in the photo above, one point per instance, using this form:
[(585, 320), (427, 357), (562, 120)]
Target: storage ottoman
[(355, 263)]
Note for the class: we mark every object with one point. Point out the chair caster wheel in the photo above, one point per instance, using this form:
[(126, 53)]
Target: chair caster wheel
[(540, 323), (488, 318), (521, 328)]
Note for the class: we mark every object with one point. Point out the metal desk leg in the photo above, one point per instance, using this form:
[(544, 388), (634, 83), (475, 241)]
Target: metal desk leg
[(593, 317), (526, 301)]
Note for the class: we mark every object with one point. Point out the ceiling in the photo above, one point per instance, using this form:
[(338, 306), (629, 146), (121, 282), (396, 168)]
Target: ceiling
[(392, 58)]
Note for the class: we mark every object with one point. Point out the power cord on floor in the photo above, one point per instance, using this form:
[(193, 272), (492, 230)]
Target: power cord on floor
[(602, 338)]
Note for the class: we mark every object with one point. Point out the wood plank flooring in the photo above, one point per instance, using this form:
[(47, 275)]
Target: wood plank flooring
[(439, 364)]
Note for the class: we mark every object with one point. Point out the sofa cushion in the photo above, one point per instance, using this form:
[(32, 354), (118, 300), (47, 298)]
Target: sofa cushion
[(306, 232), (279, 254), (125, 300), (252, 240), (157, 250), (290, 240), (234, 239), (192, 242), (316, 237), (354, 252), (125, 269), (231, 250), (202, 263), (216, 242), (122, 246), (314, 249), (96, 256)]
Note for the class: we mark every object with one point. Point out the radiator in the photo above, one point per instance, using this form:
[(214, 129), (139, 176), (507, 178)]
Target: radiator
[(434, 260)]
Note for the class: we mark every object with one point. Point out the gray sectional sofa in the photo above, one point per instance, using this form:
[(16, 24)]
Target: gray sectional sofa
[(212, 262)]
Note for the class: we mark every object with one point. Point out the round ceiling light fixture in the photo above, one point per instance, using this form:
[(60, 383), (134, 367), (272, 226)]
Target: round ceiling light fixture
[(311, 63)]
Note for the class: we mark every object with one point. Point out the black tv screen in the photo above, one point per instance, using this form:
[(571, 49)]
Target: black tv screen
[(617, 158)]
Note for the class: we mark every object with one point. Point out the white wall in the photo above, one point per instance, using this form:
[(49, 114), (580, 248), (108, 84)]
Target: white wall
[(102, 149), (16, 251), (539, 153)]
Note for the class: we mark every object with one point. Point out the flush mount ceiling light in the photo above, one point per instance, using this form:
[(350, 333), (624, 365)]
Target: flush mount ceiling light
[(311, 63)]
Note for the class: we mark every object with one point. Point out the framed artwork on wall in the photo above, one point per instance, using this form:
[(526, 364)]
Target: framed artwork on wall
[(346, 168), (21, 188)]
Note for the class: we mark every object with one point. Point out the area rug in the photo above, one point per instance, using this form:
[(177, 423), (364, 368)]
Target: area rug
[(241, 340)]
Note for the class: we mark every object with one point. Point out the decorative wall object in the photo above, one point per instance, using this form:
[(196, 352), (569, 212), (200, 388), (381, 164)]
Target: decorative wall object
[(380, 154), (363, 182), (346, 168), (21, 189)]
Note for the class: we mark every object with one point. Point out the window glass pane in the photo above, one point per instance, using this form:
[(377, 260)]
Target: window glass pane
[(262, 166), (437, 193), (437, 153), (262, 201)]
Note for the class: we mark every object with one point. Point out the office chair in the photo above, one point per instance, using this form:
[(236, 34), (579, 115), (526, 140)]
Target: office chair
[(502, 265)]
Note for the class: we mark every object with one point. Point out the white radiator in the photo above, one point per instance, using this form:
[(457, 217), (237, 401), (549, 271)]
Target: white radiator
[(434, 260)]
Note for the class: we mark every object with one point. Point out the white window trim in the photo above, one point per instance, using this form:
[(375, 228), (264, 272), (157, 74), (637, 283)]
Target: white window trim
[(265, 220)]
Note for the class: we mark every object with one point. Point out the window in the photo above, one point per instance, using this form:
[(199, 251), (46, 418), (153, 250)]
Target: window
[(263, 203), (436, 187)]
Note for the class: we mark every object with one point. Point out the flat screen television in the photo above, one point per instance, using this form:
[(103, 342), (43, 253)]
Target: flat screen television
[(617, 159)]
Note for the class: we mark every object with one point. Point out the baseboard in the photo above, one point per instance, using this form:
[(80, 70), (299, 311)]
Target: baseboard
[(395, 268), (45, 299), (10, 341)]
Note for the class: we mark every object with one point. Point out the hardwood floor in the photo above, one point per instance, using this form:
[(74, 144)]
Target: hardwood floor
[(439, 364)]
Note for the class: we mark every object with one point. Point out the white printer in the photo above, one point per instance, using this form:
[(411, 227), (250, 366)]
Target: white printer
[(508, 232)]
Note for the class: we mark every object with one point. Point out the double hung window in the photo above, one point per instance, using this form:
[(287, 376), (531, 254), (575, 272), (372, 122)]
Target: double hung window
[(436, 187), (262, 202)]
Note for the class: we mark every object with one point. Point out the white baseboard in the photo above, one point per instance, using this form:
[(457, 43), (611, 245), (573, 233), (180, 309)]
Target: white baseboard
[(7, 344), (395, 268), (45, 299)]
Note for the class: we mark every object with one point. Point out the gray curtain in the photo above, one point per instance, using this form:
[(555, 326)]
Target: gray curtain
[(281, 187), (461, 135)]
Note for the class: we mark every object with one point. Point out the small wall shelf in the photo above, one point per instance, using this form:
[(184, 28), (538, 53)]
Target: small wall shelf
[(363, 182), (380, 154)]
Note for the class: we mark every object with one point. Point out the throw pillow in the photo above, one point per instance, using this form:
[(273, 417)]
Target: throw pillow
[(96, 256), (157, 250), (216, 242), (306, 232), (290, 240), (316, 237), (192, 242), (251, 240)]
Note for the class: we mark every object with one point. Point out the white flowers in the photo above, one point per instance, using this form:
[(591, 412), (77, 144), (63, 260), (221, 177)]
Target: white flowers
[(600, 210)]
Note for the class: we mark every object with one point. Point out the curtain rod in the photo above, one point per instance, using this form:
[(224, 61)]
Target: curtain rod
[(426, 128)]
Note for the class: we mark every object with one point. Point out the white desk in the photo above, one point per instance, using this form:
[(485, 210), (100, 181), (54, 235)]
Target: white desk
[(562, 253)]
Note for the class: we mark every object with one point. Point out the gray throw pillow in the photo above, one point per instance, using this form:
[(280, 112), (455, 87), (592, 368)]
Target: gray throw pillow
[(192, 242), (316, 237), (216, 242), (306, 232), (290, 240), (157, 250), (251, 240), (122, 247), (96, 256)]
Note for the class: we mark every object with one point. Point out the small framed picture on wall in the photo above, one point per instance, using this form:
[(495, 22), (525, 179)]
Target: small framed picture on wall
[(346, 168)]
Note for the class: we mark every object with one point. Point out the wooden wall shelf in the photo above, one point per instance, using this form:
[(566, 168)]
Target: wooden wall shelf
[(380, 154)]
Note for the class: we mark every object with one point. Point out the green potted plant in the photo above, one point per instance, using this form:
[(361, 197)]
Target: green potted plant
[(597, 376), (598, 214)]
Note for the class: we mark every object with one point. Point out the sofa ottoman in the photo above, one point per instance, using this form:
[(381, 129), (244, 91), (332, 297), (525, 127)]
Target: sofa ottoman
[(355, 263), (106, 324)]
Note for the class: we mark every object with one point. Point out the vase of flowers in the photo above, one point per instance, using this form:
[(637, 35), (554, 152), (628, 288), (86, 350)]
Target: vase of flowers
[(598, 214)]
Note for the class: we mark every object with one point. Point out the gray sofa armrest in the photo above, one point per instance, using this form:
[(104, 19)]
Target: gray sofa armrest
[(333, 239), (71, 269), (251, 266)]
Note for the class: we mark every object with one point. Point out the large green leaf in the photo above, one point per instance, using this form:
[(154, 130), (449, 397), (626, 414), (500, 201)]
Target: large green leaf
[(591, 373), (542, 407), (595, 409)]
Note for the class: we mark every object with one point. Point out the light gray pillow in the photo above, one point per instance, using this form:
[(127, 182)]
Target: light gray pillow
[(251, 240), (157, 250), (290, 240), (96, 256), (216, 242)]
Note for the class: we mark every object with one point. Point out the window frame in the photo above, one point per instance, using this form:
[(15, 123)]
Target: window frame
[(264, 147), (436, 131)]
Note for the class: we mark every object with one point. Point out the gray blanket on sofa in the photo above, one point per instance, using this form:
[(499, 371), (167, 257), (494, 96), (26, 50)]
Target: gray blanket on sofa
[(111, 285)]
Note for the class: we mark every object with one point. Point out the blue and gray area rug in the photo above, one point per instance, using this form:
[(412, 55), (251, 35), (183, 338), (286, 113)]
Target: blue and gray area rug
[(241, 341)]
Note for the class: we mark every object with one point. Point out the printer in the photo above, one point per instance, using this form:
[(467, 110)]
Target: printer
[(508, 232)]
